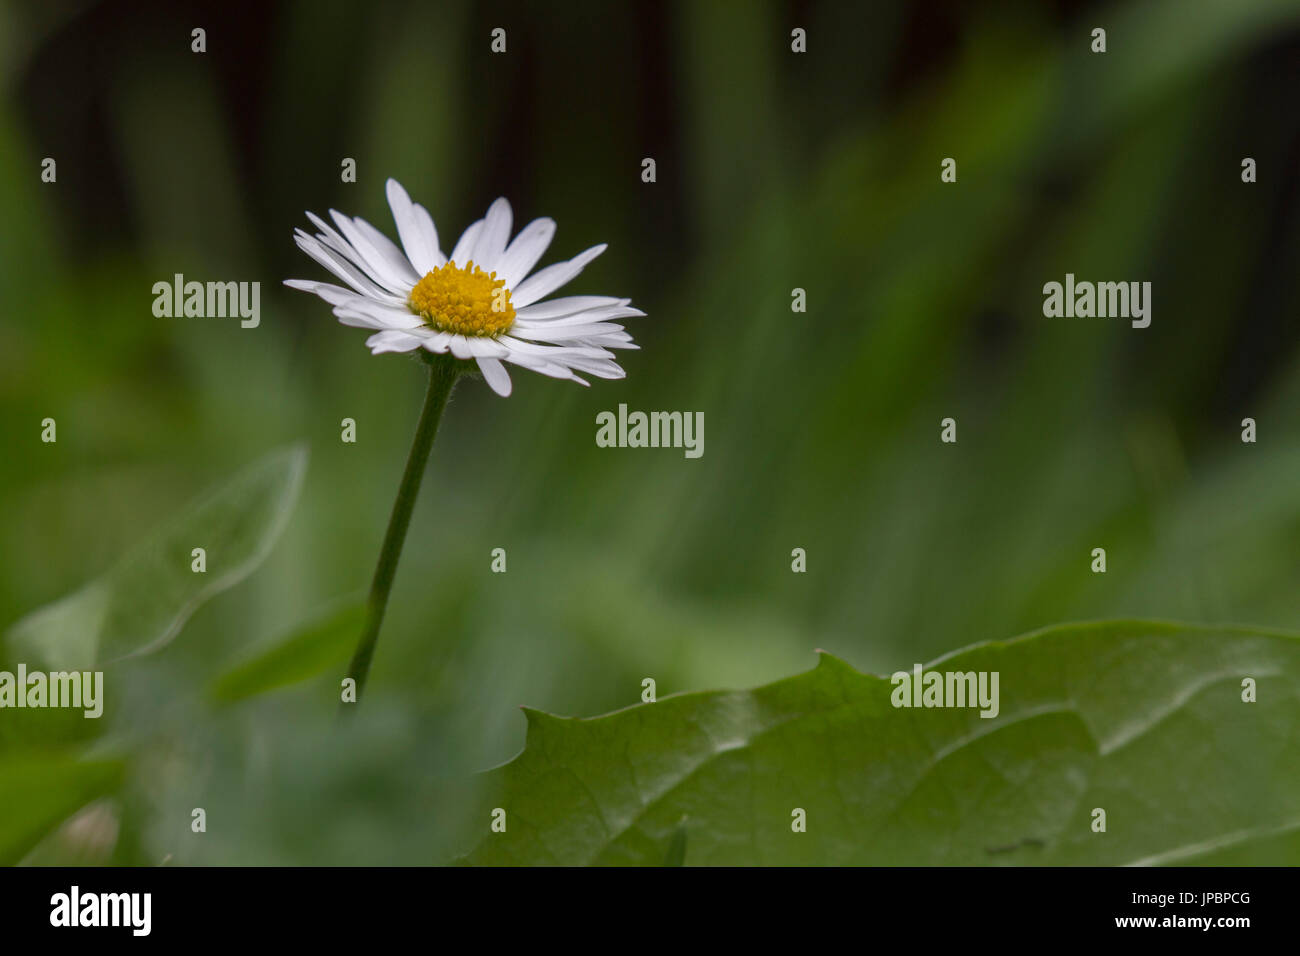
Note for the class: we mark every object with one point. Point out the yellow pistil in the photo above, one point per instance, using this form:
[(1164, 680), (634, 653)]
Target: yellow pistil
[(466, 301)]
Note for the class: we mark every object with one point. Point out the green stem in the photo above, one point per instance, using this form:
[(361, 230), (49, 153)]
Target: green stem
[(444, 370)]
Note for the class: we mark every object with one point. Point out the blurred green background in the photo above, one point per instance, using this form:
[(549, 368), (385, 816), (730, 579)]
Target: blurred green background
[(775, 171)]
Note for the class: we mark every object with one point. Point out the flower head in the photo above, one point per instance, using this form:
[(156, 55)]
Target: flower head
[(480, 303)]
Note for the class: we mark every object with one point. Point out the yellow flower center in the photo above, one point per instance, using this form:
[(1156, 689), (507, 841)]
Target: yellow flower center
[(467, 301)]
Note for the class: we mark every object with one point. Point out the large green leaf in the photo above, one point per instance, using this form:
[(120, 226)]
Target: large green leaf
[(142, 602), (1144, 720)]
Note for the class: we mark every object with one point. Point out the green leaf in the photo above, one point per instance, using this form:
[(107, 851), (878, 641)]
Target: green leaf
[(142, 602), (318, 645), (676, 855), (38, 792), (1142, 719)]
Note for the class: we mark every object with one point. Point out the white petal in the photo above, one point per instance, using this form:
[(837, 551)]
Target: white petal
[(564, 333), (468, 240), (553, 360), (563, 362), (605, 314), (546, 281), (594, 360), (483, 347), (391, 316), (416, 230), (437, 342), (391, 340), (601, 369), (430, 233), (390, 250), (525, 251), (331, 239), (579, 318), (459, 347), (360, 320), (556, 352), (601, 314), (495, 374), (336, 264), (536, 364), (333, 294), (492, 239), (476, 346), (378, 274), (554, 308), (397, 276), (614, 340)]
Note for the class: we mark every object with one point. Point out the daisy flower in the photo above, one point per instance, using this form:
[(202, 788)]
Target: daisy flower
[(479, 303), (475, 309)]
